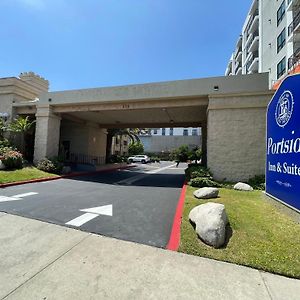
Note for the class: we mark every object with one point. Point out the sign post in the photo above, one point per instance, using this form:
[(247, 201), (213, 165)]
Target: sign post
[(283, 143)]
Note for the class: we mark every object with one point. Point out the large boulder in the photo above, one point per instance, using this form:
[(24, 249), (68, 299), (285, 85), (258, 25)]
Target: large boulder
[(241, 186), (206, 193), (210, 220)]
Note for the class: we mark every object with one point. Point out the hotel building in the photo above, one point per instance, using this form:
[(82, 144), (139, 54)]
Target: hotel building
[(269, 41)]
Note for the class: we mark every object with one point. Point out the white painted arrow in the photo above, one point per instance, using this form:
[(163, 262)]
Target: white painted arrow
[(90, 214), (16, 197)]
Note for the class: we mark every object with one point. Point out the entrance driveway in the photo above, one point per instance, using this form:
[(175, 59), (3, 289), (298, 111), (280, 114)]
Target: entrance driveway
[(136, 204)]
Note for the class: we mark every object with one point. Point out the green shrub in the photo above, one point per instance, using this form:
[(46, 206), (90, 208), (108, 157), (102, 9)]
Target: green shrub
[(154, 159), (203, 182), (257, 182), (50, 165), (12, 159), (4, 144), (136, 148), (197, 171), (5, 149), (117, 159)]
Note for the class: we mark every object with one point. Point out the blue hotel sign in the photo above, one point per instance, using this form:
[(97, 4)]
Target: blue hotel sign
[(283, 143)]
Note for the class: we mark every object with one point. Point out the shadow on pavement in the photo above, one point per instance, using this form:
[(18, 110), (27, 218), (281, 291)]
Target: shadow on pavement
[(119, 178)]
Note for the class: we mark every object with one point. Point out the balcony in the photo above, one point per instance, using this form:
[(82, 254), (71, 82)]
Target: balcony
[(294, 60), (237, 66), (229, 69), (252, 23), (294, 27), (291, 4), (253, 43), (252, 64), (239, 71), (238, 54)]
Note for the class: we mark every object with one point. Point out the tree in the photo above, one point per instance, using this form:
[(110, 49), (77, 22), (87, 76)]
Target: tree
[(136, 148), (195, 154), (21, 126), (112, 132), (181, 154)]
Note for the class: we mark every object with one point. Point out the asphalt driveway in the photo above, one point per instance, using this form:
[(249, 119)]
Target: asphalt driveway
[(136, 204)]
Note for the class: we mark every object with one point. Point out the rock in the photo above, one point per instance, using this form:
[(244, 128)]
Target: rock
[(66, 170), (240, 186), (210, 220), (206, 193)]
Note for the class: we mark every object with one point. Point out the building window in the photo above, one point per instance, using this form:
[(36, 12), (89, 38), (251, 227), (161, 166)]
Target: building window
[(185, 132), (280, 13), (281, 40), (154, 131), (163, 131), (171, 131), (125, 143), (194, 132), (281, 67)]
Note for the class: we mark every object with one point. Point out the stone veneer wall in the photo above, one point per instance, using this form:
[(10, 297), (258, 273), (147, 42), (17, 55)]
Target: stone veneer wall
[(236, 136), (46, 134), (86, 139)]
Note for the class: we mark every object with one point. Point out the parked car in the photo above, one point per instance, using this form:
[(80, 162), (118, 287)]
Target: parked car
[(139, 158)]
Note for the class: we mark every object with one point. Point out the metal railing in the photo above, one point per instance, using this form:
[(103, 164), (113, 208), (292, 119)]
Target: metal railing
[(294, 59), (256, 12), (294, 24), (237, 52), (254, 35), (237, 66), (254, 55), (81, 158)]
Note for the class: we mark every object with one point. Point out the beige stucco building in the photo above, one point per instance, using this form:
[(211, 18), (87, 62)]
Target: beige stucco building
[(230, 110)]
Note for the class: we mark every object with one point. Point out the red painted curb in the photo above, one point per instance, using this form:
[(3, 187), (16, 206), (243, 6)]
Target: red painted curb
[(4, 185), (174, 240)]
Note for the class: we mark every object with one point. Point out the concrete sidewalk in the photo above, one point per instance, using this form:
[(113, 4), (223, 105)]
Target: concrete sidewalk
[(46, 261)]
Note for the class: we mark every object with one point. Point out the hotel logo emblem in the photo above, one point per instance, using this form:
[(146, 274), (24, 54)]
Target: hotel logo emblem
[(284, 108)]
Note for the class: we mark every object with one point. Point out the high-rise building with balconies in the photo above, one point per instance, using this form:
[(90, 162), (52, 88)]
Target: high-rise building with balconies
[(269, 41)]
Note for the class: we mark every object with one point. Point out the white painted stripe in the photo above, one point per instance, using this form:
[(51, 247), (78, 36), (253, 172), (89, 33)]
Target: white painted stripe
[(77, 222), (6, 199), (106, 210), (161, 169), (141, 176), (132, 179), (24, 195)]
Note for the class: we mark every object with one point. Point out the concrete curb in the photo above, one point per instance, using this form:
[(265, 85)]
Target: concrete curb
[(75, 174)]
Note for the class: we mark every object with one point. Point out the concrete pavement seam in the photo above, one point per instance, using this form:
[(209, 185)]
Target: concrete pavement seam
[(265, 284), (45, 267)]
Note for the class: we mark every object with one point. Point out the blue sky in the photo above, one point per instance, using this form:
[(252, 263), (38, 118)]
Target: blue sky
[(93, 43)]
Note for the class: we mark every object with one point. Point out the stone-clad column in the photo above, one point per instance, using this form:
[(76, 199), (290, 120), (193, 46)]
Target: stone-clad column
[(47, 133), (204, 142)]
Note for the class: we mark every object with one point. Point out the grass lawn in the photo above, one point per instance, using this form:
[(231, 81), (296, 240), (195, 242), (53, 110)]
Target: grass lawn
[(263, 237), (23, 174)]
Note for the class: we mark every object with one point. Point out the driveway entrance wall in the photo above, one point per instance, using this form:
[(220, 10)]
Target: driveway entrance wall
[(236, 136), (84, 138)]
